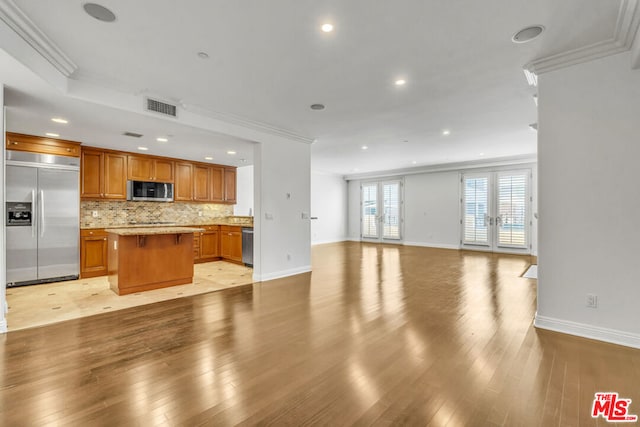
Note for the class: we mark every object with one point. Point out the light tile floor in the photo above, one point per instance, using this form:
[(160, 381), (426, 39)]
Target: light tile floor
[(38, 305)]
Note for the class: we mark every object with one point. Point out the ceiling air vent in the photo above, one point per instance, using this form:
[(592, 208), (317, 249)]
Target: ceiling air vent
[(161, 107), (133, 134)]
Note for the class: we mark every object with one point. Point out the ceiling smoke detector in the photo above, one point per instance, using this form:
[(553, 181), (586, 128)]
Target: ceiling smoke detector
[(527, 34), (99, 12)]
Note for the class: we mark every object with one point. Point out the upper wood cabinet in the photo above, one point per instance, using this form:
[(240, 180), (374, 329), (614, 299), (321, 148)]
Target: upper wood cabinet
[(103, 175), (36, 144), (143, 168), (230, 185), (183, 187), (201, 183), (217, 184)]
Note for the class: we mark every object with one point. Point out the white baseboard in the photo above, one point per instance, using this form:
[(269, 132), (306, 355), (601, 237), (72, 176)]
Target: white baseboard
[(3, 326), (432, 245), (282, 273), (353, 239), (324, 242), (613, 336)]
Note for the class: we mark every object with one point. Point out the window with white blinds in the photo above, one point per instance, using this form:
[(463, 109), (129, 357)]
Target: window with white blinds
[(382, 210), (476, 201), (512, 209), (370, 210), (391, 223)]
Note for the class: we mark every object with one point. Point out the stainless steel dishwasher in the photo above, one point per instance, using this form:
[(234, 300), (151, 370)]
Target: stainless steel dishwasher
[(247, 246)]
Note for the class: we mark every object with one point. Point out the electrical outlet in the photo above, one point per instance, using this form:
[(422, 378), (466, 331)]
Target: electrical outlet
[(288, 257), (592, 300), (94, 214), (199, 213)]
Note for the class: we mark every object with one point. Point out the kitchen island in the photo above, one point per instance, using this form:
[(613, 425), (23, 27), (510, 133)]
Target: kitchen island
[(143, 258)]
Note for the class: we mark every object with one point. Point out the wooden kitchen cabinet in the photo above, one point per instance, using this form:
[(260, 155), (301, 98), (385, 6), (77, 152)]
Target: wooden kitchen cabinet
[(37, 144), (201, 183), (93, 253), (206, 244), (230, 185), (103, 175), (231, 243), (143, 168), (217, 184), (210, 243), (183, 187)]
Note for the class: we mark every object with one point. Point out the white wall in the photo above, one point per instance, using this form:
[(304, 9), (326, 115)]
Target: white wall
[(432, 209), (329, 206), (3, 270), (588, 151), (244, 191), (282, 201), (353, 210)]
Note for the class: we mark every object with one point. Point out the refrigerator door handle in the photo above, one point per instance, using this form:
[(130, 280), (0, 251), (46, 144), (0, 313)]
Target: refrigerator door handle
[(33, 207), (41, 213)]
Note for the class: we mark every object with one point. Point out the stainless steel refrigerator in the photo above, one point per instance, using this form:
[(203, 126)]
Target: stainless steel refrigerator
[(42, 229)]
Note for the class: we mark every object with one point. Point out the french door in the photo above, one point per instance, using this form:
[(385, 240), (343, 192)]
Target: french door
[(381, 210), (496, 209)]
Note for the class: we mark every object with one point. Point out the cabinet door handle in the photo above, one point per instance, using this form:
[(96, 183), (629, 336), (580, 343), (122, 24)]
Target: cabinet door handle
[(104, 238)]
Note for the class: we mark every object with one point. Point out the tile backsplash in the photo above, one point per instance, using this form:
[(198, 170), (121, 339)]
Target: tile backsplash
[(110, 214)]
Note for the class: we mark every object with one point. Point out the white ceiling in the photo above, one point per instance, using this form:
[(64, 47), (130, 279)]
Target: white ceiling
[(269, 62)]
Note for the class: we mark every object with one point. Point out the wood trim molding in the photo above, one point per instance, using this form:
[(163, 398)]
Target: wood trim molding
[(587, 331), (15, 18), (620, 41)]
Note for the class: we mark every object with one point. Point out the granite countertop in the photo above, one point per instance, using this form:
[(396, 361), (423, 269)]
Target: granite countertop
[(154, 226), (139, 231)]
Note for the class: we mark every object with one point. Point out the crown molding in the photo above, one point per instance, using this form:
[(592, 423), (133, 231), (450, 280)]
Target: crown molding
[(247, 123), (16, 19), (621, 41), (448, 167)]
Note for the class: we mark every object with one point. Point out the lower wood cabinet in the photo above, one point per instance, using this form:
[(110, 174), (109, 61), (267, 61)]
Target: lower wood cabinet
[(206, 244), (231, 243), (93, 253)]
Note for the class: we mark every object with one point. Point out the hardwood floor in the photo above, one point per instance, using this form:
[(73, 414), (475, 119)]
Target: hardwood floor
[(375, 335)]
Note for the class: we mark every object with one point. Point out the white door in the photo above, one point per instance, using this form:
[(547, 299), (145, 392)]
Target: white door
[(496, 211), (381, 210)]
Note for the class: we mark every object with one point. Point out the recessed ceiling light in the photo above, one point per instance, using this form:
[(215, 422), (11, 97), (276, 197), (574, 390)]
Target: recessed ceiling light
[(162, 139), (203, 55), (446, 132), (231, 152), (59, 120), (527, 34), (481, 154), (414, 162), (142, 148), (99, 12), (55, 135), (364, 147), (400, 82), (208, 158), (317, 106), (327, 28), (355, 170)]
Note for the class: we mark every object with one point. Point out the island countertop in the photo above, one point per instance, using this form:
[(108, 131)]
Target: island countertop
[(146, 231)]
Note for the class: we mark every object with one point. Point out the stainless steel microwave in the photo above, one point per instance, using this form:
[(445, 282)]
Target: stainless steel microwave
[(150, 191)]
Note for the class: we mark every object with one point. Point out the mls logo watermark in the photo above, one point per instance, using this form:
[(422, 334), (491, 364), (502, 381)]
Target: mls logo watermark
[(612, 408)]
